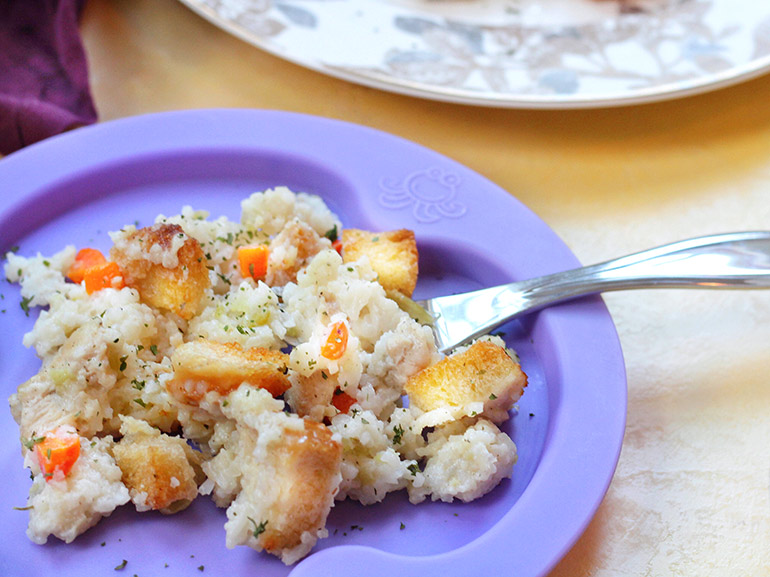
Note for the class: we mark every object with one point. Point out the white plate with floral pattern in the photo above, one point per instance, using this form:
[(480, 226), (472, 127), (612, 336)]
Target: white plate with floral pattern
[(513, 53)]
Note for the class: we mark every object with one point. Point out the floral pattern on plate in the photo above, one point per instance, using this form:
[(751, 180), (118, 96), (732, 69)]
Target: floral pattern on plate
[(513, 53)]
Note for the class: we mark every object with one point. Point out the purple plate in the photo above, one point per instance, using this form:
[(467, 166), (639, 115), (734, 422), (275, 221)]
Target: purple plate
[(568, 427)]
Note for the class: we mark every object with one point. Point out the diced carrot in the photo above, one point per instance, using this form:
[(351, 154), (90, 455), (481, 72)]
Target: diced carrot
[(59, 450), (342, 401), (253, 260), (105, 275), (92, 267), (336, 342), (85, 259), (337, 245)]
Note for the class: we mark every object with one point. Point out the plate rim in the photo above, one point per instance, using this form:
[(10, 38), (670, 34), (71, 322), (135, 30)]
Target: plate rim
[(756, 67)]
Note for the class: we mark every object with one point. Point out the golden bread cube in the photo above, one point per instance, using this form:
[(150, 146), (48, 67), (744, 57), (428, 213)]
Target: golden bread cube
[(203, 366), (159, 470), (392, 255), (166, 266), (306, 465), (482, 373)]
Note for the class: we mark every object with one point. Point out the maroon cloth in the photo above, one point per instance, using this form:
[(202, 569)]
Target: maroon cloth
[(43, 71)]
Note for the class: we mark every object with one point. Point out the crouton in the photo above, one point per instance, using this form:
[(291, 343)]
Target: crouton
[(482, 376), (277, 474), (203, 366), (291, 250), (165, 265), (158, 470), (392, 255), (306, 468)]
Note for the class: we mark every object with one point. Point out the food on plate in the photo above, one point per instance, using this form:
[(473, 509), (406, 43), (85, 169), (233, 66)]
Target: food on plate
[(160, 471), (482, 379), (392, 255), (165, 265), (268, 363), (203, 366)]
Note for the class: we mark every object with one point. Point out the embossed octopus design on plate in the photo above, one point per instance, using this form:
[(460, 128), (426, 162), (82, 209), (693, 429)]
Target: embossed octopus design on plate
[(513, 53), (431, 193)]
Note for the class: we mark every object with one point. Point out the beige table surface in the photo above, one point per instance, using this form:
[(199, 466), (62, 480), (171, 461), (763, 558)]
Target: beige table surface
[(690, 496)]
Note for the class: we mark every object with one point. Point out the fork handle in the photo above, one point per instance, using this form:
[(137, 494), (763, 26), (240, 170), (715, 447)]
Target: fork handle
[(734, 260)]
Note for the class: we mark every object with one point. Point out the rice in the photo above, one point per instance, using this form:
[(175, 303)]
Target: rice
[(65, 507), (316, 426)]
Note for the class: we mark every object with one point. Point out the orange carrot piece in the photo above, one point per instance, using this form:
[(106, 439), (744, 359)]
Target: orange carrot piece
[(103, 276), (253, 261), (337, 342), (342, 401), (85, 259), (337, 245), (59, 450)]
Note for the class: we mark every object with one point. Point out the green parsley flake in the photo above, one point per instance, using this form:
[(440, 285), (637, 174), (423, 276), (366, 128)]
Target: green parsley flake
[(332, 234), (258, 529), (398, 432), (30, 443), (24, 304)]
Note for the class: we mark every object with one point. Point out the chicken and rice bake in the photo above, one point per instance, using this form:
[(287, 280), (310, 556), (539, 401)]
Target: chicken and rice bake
[(264, 363)]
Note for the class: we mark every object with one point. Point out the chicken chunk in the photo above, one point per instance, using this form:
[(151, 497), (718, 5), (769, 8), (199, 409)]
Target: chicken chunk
[(71, 388), (203, 366), (165, 265), (483, 379), (311, 396), (392, 255), (159, 470), (291, 250)]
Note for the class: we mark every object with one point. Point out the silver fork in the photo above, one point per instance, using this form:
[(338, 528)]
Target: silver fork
[(725, 261)]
